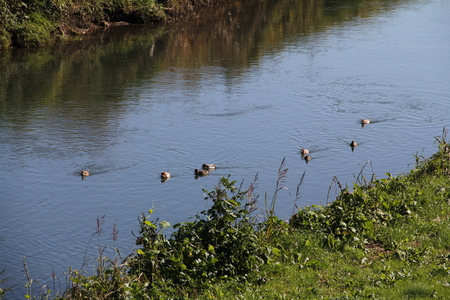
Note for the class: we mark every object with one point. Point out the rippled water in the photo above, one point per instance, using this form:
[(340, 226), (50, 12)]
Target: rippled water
[(243, 92)]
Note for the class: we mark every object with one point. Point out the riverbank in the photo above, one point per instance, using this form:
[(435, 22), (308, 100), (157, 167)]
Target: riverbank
[(381, 239), (29, 24)]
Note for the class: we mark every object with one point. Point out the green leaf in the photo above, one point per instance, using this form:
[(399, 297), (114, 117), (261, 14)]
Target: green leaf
[(276, 251), (148, 223), (164, 224)]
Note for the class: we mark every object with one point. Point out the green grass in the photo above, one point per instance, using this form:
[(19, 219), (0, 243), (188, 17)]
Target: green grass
[(29, 23), (382, 239), (404, 254), (37, 31)]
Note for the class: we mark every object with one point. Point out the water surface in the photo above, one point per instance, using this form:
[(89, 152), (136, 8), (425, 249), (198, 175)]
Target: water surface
[(244, 89)]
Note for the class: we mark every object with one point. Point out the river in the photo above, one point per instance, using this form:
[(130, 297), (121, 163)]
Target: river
[(249, 85)]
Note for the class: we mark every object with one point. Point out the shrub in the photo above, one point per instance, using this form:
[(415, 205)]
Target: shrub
[(37, 31), (5, 39), (220, 243), (355, 215)]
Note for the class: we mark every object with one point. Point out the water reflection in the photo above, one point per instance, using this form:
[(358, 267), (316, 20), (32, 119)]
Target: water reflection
[(95, 73)]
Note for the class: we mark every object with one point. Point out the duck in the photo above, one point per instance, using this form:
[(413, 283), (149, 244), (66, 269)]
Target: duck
[(200, 172), (304, 151), (365, 121), (208, 166), (307, 158), (165, 174), (353, 144), (84, 173)]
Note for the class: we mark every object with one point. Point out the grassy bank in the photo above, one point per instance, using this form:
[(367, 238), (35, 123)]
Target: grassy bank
[(380, 239), (30, 23)]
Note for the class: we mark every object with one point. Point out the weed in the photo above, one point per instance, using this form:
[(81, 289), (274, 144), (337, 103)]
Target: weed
[(221, 243), (3, 291), (384, 239), (37, 31), (38, 23)]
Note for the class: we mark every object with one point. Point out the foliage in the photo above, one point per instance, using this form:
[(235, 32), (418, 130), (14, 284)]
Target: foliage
[(26, 23), (220, 243), (37, 31), (4, 280), (5, 39), (385, 239), (108, 280), (355, 216)]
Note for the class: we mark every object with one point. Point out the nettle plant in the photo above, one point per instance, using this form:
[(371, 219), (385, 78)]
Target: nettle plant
[(222, 242)]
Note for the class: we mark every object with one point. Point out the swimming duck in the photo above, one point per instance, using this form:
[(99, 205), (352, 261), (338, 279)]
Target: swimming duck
[(165, 174), (200, 172), (84, 173), (304, 151), (353, 144), (208, 166), (307, 158), (365, 121)]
